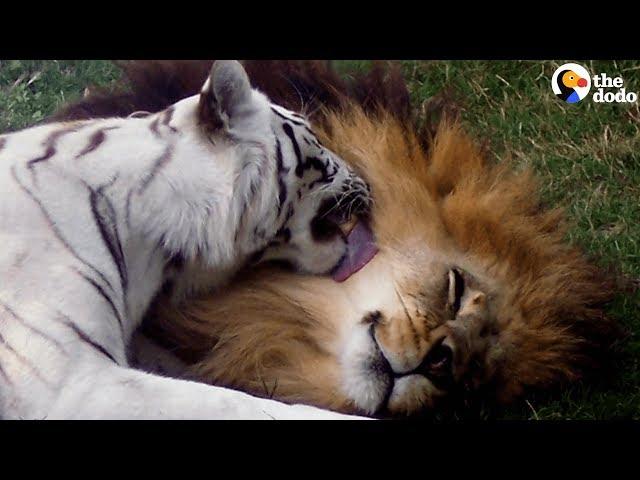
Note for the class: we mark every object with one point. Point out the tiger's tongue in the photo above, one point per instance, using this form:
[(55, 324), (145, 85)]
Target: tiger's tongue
[(361, 248)]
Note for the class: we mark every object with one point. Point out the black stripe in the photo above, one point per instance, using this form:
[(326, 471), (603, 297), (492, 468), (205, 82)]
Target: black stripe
[(279, 159), (33, 329), (290, 212), (86, 338), (285, 233), (310, 132), (49, 144), (56, 232), (320, 165), (4, 374), (287, 217), (243, 211), (50, 152), (160, 162), (166, 119), (3, 142), (296, 148), (295, 122), (154, 127), (95, 141), (313, 142), (108, 228), (127, 209), (281, 171), (104, 295), (168, 114)]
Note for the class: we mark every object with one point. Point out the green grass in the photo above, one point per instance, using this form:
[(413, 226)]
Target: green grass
[(587, 154), (32, 89)]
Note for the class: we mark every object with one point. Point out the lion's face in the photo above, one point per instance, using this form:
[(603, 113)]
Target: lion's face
[(423, 334)]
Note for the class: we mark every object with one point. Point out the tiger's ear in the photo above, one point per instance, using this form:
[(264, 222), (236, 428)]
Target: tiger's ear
[(224, 94)]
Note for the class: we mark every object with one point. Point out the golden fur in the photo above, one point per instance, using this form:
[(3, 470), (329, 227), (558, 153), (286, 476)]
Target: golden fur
[(534, 317)]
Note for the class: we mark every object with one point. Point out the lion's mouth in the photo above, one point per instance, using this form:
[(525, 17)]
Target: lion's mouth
[(361, 248), (411, 384)]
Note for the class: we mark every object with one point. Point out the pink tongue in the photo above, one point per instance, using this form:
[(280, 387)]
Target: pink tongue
[(361, 248)]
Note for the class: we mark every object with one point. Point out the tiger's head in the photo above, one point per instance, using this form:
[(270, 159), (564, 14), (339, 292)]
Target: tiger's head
[(475, 291), (314, 215)]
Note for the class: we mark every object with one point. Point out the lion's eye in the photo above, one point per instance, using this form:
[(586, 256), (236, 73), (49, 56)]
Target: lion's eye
[(456, 290)]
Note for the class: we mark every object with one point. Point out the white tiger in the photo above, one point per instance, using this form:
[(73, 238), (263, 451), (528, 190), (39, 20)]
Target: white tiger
[(96, 216)]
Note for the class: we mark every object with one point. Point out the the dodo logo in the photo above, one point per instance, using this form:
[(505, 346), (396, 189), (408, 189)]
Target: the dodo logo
[(571, 82)]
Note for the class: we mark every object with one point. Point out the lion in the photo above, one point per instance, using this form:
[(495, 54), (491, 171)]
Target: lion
[(475, 291)]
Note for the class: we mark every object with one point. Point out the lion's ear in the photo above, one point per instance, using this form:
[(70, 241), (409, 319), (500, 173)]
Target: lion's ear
[(224, 94)]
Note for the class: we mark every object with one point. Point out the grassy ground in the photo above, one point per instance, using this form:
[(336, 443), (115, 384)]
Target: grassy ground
[(588, 155)]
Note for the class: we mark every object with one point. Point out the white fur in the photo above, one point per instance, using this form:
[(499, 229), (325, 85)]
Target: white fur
[(173, 190)]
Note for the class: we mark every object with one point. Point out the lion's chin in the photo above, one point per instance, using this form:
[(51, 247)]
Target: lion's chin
[(411, 394)]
